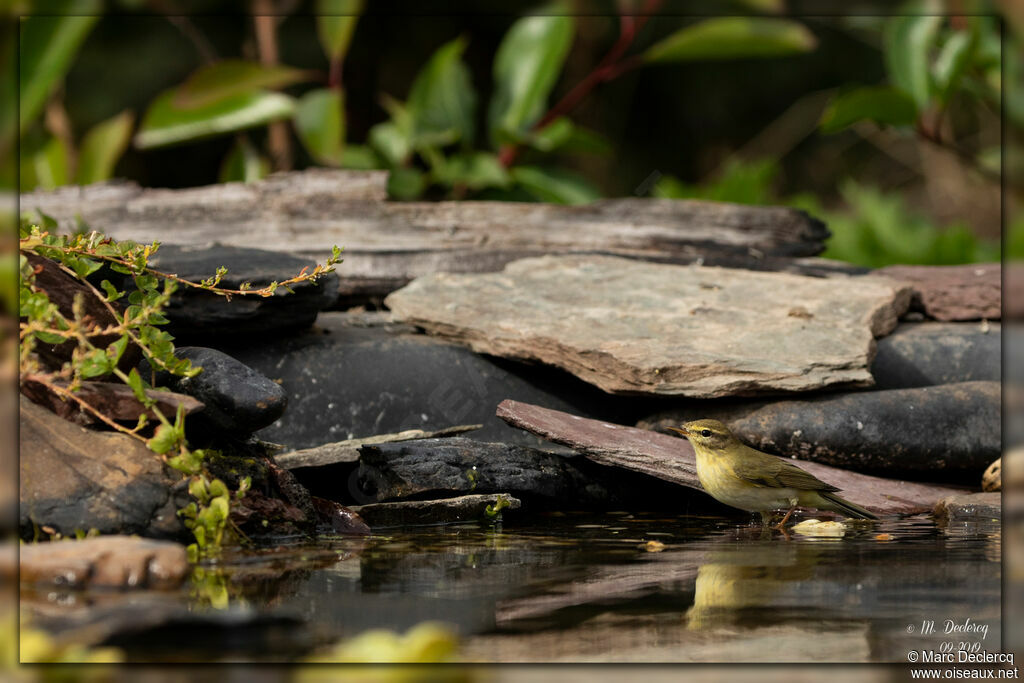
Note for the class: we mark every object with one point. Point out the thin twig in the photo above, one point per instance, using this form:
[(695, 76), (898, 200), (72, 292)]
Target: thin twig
[(205, 49), (57, 122)]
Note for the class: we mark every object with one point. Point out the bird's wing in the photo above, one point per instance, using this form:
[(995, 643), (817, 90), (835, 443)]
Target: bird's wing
[(768, 470)]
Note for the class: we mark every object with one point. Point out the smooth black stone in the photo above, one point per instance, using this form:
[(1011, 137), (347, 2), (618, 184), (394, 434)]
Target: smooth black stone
[(357, 375), (197, 315), (435, 468), (949, 432), (238, 399), (926, 354)]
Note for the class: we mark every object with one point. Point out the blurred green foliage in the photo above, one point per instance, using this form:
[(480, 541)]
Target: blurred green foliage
[(453, 136), (430, 141), (871, 227)]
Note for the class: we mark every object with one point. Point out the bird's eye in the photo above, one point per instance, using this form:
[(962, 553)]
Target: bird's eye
[(705, 433)]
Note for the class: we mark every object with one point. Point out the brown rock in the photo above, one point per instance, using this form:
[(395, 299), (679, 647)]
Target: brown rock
[(104, 562), (967, 292), (75, 479), (672, 459), (635, 327)]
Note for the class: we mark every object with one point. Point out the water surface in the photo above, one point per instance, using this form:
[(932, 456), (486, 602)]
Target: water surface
[(583, 587)]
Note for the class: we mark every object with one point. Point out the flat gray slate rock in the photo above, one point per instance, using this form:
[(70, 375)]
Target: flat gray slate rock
[(672, 459), (643, 328)]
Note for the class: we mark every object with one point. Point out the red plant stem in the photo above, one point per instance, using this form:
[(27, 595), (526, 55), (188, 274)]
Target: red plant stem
[(335, 74), (607, 69), (278, 140)]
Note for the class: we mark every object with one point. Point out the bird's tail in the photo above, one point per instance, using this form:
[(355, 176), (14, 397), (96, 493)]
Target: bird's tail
[(845, 507)]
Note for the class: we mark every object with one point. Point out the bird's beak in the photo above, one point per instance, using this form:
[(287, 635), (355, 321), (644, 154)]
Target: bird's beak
[(681, 430)]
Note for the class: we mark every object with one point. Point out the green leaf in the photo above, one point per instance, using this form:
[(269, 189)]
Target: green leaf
[(46, 168), (555, 185), (881, 104), (360, 157), (102, 146), (217, 488), (474, 170), (442, 102), (739, 182), (320, 124), (526, 67), (116, 349), (164, 124), (551, 136), (733, 38), (164, 439), (137, 385), (391, 142), (952, 62), (231, 77), (908, 39), (406, 183), (336, 24), (48, 45), (84, 267), (96, 363), (587, 141), (243, 164), (49, 337)]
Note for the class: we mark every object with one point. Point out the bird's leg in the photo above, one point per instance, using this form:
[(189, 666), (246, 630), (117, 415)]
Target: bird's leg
[(765, 518), (786, 518)]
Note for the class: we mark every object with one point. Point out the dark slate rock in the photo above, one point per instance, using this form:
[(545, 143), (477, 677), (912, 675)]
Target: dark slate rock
[(73, 479), (924, 354), (358, 375), (949, 432), (433, 468), (198, 315), (238, 399)]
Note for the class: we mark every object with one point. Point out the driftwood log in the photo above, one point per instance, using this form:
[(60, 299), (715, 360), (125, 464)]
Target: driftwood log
[(388, 244), (672, 459)]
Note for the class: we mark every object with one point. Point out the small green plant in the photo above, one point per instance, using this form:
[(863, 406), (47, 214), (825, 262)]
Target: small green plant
[(493, 512), (43, 322)]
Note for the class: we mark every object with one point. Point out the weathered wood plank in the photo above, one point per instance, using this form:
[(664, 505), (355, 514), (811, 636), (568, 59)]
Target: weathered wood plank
[(390, 243), (672, 458)]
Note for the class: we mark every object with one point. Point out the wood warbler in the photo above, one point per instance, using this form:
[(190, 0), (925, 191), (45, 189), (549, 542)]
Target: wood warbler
[(744, 478)]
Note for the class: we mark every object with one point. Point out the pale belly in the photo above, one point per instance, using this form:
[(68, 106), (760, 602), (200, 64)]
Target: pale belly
[(719, 481)]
